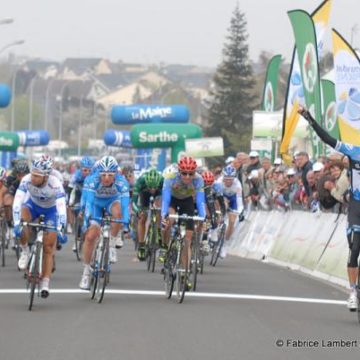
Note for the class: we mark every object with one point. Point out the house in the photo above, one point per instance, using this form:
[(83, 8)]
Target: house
[(78, 68)]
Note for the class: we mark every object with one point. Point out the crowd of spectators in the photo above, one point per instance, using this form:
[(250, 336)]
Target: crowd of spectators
[(319, 185)]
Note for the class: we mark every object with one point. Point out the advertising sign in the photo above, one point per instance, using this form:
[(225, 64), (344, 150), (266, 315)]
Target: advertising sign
[(33, 138), (135, 114), (204, 147)]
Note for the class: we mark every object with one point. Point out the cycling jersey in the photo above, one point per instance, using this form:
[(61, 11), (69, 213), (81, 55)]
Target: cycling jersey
[(232, 193), (141, 190), (96, 197), (175, 188), (48, 199)]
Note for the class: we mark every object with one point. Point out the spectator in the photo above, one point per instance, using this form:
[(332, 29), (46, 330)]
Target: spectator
[(340, 184), (318, 169), (254, 162), (304, 165), (293, 187)]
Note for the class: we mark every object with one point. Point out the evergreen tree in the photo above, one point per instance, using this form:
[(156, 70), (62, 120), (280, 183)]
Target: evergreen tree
[(232, 100)]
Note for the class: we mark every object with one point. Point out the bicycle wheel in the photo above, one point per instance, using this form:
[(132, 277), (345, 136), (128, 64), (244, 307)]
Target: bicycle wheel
[(358, 296), (78, 239), (94, 274), (221, 239), (3, 242), (152, 247), (181, 276), (33, 275), (194, 262), (104, 270), (169, 275)]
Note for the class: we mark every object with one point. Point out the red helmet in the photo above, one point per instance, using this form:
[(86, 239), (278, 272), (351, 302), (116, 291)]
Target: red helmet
[(208, 177), (187, 163)]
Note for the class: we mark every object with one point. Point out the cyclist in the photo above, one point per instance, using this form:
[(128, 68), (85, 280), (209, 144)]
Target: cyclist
[(105, 189), (214, 200), (40, 193), (54, 172), (353, 229), (146, 186), (11, 184), (76, 186), (232, 191), (179, 190)]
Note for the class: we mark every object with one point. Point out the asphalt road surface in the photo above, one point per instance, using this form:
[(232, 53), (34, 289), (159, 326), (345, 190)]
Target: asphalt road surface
[(243, 309)]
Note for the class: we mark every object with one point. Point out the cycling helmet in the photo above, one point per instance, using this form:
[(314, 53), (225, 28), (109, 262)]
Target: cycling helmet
[(187, 163), (208, 177), (108, 164), (229, 171), (48, 158), (66, 177), (21, 167), (2, 173), (41, 166), (152, 179), (87, 162)]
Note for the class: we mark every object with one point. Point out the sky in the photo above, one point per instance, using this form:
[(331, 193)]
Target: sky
[(153, 31)]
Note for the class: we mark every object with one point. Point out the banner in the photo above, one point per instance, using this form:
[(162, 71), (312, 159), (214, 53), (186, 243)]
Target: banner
[(9, 141), (295, 92), (270, 86), (204, 147), (33, 138), (5, 95), (329, 106), (347, 86), (136, 114), (117, 138), (305, 39)]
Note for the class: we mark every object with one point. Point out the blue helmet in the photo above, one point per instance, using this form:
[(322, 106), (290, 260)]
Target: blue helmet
[(108, 164), (229, 171), (42, 166), (87, 162)]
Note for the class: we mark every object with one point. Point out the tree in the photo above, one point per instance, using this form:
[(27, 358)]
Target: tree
[(231, 99)]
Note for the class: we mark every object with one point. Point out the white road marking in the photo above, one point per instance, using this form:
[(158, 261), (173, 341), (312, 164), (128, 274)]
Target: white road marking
[(191, 294)]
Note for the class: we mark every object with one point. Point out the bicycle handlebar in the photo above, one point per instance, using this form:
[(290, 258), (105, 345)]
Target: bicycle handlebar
[(109, 219), (186, 217), (38, 225)]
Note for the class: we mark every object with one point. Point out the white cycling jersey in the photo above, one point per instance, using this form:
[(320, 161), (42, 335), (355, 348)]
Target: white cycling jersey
[(233, 193), (49, 195)]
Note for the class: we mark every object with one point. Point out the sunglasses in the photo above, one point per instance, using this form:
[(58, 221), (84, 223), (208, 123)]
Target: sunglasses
[(183, 173)]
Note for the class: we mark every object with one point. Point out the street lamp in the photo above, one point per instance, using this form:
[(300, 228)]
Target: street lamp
[(60, 98), (6, 21), (15, 43)]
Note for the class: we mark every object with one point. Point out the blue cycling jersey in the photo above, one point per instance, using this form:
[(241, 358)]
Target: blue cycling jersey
[(95, 194)]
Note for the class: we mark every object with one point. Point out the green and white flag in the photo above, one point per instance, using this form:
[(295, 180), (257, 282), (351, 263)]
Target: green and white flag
[(270, 86), (329, 105), (305, 39)]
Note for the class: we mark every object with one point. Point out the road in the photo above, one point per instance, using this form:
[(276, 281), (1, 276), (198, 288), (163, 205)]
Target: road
[(243, 309)]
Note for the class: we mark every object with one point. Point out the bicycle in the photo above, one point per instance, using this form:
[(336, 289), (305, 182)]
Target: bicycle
[(197, 258), (152, 237), (173, 270), (100, 275), (35, 264)]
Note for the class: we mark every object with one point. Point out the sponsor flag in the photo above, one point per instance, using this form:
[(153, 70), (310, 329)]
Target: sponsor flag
[(329, 107), (295, 92), (347, 89), (305, 39), (270, 86)]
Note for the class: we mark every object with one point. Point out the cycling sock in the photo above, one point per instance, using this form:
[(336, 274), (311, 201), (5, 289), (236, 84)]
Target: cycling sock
[(24, 248), (87, 269)]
